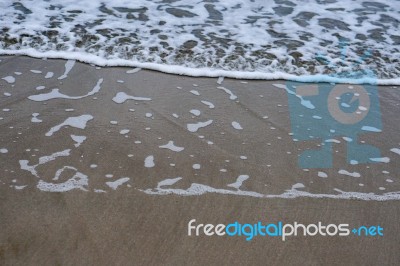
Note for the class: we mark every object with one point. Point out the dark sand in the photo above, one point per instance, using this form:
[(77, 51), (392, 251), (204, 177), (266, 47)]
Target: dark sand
[(129, 227)]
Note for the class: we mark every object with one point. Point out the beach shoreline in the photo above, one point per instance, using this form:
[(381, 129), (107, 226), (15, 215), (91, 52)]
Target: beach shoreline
[(87, 147)]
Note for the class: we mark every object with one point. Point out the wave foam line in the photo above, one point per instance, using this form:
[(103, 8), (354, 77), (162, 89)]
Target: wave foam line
[(200, 189), (195, 72)]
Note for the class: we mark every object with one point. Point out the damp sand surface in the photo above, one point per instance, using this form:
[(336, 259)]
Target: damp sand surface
[(75, 179)]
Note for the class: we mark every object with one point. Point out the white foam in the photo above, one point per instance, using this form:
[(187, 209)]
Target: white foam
[(196, 126), (209, 104), (380, 160), (239, 182), (124, 131), (77, 122), (195, 92), (220, 80), (132, 71), (396, 150), (78, 139), (353, 174), (371, 129), (195, 112), (24, 164), (322, 174), (305, 103), (115, 184), (229, 92), (68, 67), (168, 182), (77, 181), (298, 185), (200, 71), (239, 24), (199, 189), (55, 94), (149, 161), (171, 146), (332, 141), (34, 118), (9, 79), (236, 125), (121, 97), (3, 150), (49, 75)]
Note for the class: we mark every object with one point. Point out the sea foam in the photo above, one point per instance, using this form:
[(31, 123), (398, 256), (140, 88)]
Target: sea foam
[(313, 42)]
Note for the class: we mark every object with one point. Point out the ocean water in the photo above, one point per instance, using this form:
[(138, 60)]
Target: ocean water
[(307, 40)]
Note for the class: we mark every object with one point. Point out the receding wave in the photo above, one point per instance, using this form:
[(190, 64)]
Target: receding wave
[(320, 40)]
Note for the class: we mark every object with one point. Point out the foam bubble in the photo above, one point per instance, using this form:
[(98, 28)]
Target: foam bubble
[(78, 139), (239, 182), (236, 125), (77, 122), (395, 150), (68, 67), (229, 92), (124, 131), (209, 104), (122, 97), (322, 174), (371, 129), (345, 172), (149, 161), (196, 166), (49, 75), (9, 79), (55, 94), (115, 184), (34, 118), (77, 181), (196, 126), (195, 112), (171, 146)]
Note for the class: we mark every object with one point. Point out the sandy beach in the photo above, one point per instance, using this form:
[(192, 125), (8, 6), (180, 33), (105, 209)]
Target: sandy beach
[(108, 165)]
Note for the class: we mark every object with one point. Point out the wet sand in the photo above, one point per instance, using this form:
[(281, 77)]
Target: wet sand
[(136, 221)]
